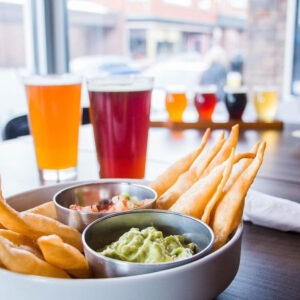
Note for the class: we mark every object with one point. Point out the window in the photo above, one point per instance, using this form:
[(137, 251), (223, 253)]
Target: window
[(161, 38), (242, 4), (179, 2), (204, 4), (138, 47), (12, 60), (295, 86)]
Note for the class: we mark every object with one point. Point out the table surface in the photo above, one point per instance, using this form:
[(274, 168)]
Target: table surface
[(270, 261)]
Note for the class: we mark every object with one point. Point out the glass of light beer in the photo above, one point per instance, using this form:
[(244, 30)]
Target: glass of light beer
[(265, 102), (54, 118), (176, 102), (120, 114)]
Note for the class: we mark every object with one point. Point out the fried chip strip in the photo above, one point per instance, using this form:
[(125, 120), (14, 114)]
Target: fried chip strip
[(206, 157), (240, 168), (187, 179), (224, 153), (22, 261), (10, 219), (34, 226), (194, 200), (46, 226), (64, 256), (47, 209), (229, 211), (17, 238), (22, 241), (220, 191), (216, 197), (168, 178), (1, 199)]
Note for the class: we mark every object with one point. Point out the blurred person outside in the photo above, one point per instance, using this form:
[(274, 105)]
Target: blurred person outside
[(216, 61), (235, 75)]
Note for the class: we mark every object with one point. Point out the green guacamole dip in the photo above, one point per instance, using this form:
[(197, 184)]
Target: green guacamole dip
[(149, 246)]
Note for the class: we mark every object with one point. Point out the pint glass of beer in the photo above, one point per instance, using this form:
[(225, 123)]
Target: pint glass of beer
[(120, 114), (54, 118), (176, 102), (265, 102)]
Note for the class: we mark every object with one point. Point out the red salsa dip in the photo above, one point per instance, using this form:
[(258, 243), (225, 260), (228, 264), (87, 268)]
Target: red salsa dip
[(115, 204)]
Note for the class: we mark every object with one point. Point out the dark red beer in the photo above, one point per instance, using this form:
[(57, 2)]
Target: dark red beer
[(120, 117), (205, 102)]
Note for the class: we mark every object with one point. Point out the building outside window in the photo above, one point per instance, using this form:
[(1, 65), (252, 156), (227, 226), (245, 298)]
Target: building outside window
[(169, 37), (295, 84)]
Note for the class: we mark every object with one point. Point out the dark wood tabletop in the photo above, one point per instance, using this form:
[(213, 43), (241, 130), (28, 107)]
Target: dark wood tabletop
[(270, 260)]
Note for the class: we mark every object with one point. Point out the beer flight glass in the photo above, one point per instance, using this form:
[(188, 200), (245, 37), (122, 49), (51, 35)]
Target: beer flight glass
[(176, 102), (54, 119), (120, 114), (265, 102), (235, 100), (205, 101)]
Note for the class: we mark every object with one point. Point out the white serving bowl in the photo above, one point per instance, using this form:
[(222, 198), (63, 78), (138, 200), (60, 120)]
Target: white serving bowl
[(202, 279)]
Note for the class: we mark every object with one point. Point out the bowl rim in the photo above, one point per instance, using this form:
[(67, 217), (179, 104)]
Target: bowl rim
[(195, 256), (59, 206), (90, 282)]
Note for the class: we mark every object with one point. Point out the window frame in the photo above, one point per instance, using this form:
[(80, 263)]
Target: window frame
[(291, 19)]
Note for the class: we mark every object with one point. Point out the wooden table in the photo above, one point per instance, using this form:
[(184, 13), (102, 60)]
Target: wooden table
[(270, 262)]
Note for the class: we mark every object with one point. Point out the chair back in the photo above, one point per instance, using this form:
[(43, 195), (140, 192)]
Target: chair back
[(16, 127)]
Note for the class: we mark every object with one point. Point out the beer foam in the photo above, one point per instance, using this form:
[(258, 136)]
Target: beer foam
[(120, 84), (237, 90), (265, 88), (176, 89), (49, 80), (206, 89)]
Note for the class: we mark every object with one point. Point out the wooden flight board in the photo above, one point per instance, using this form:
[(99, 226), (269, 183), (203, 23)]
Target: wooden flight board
[(257, 125)]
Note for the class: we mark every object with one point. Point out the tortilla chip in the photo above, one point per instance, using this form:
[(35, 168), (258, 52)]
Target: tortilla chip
[(168, 178), (34, 226), (47, 209), (10, 219), (231, 205), (187, 179), (223, 155), (240, 168), (194, 200), (64, 256), (216, 197), (42, 225), (22, 261)]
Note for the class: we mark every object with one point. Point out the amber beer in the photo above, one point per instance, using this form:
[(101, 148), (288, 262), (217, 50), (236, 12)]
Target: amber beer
[(265, 103), (54, 117), (176, 102)]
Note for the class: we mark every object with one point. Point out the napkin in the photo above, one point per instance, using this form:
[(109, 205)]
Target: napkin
[(273, 212)]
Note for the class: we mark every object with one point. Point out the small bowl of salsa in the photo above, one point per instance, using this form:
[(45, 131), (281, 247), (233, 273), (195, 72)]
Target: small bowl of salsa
[(80, 205)]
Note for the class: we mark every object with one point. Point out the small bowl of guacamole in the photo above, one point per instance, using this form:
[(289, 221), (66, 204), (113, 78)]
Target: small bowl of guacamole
[(149, 246), (144, 241)]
